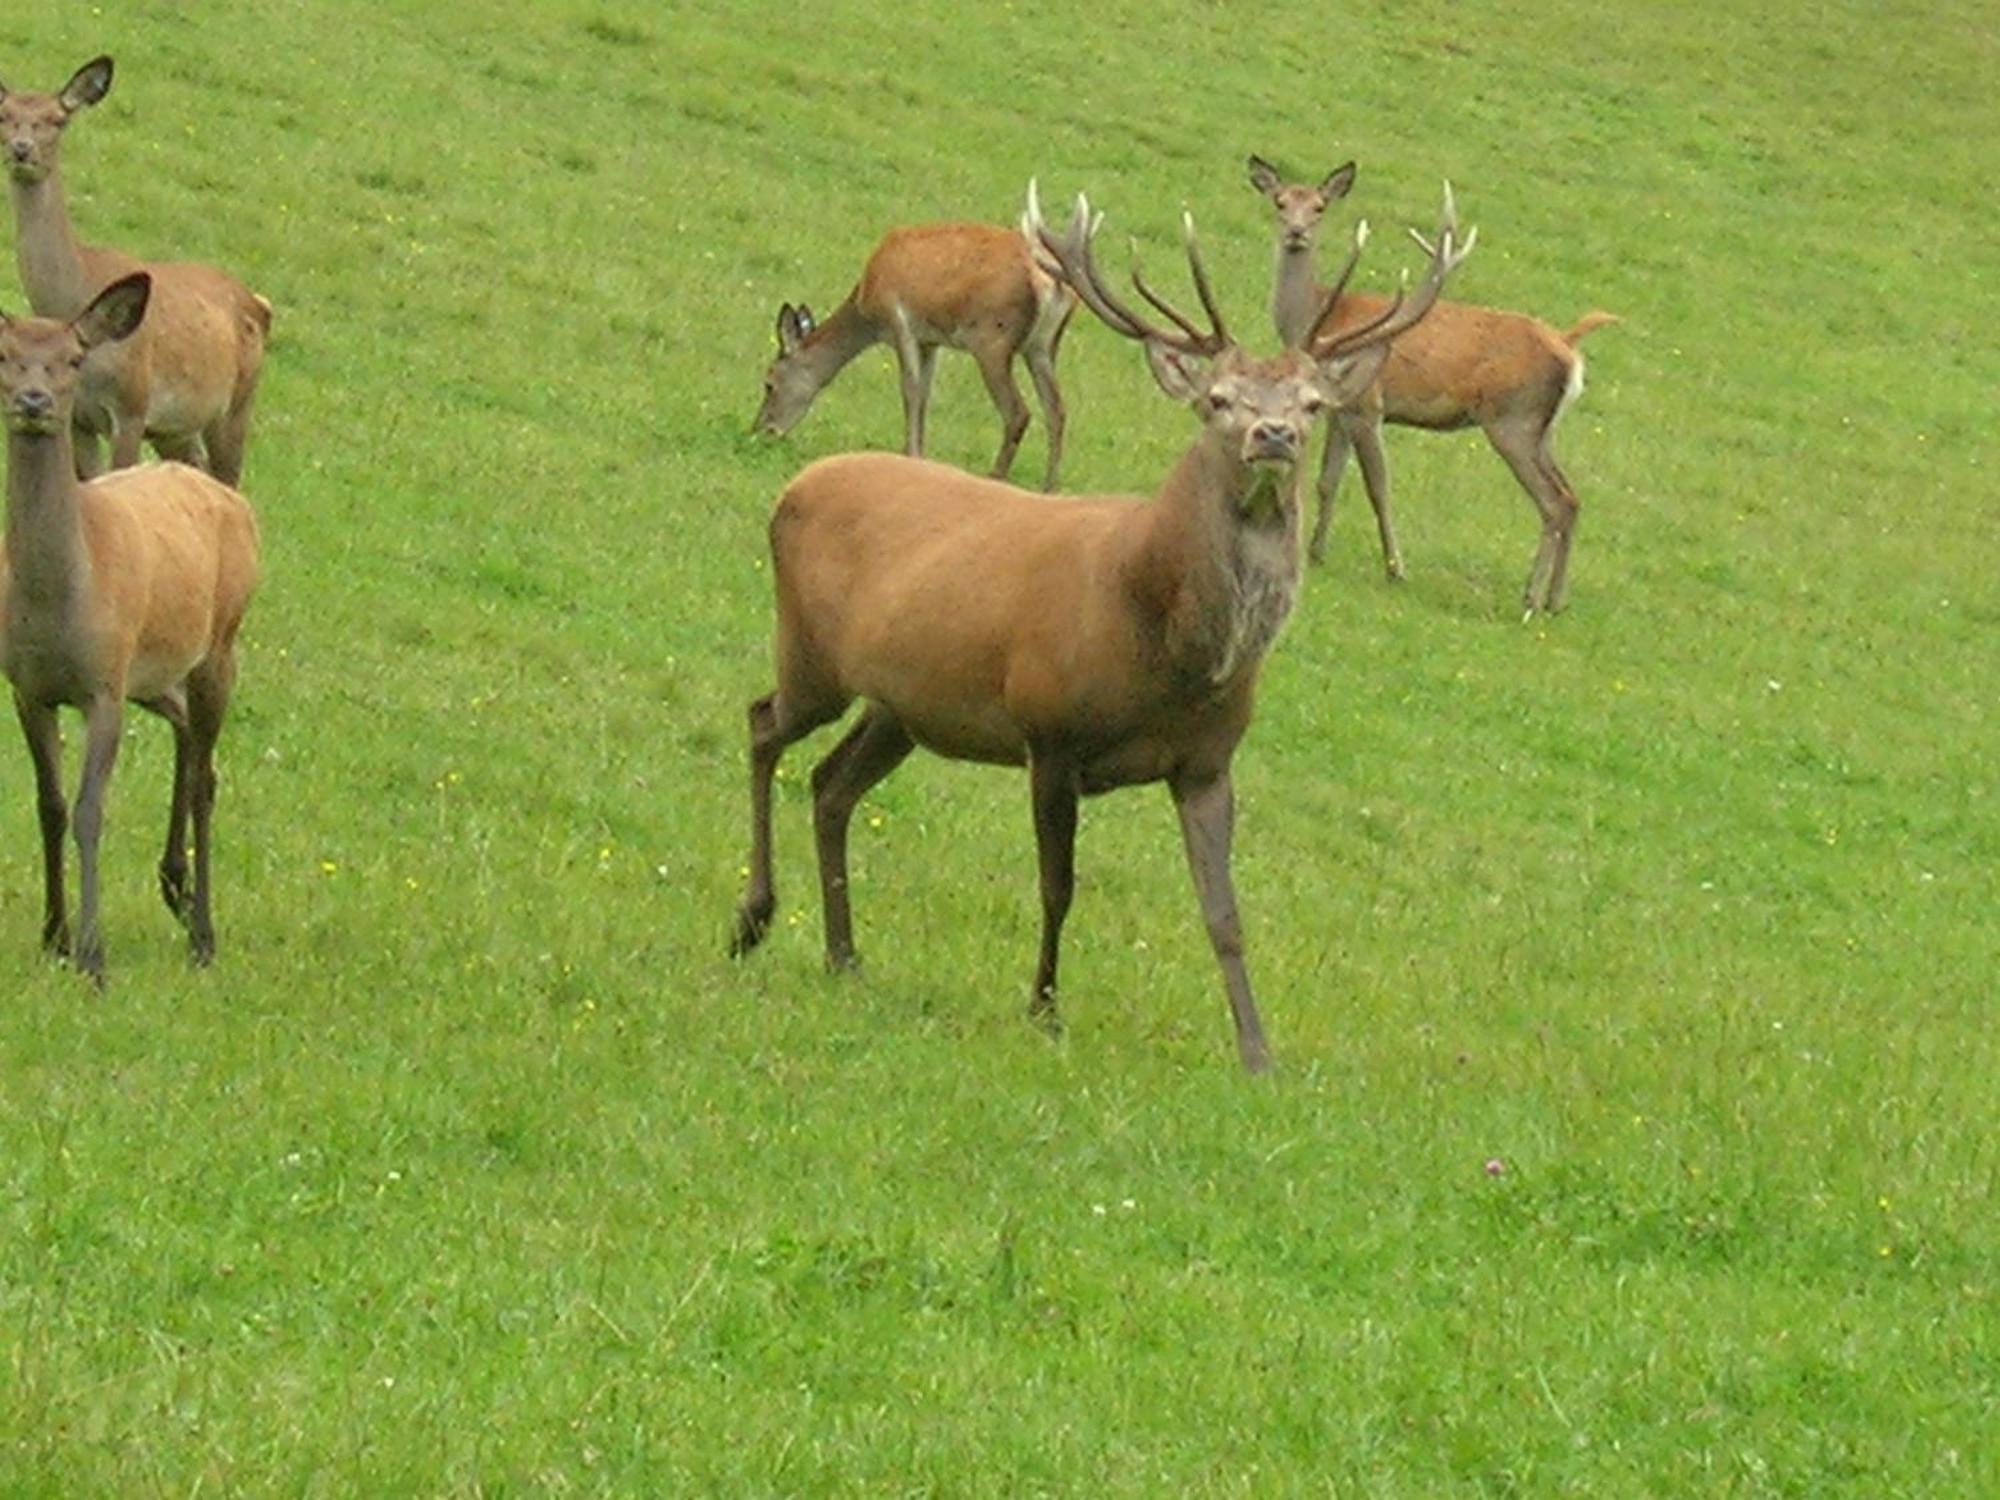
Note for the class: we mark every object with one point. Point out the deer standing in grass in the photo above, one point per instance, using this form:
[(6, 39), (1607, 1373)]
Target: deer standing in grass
[(1103, 642), (1508, 374), (927, 287), (128, 586), (187, 378)]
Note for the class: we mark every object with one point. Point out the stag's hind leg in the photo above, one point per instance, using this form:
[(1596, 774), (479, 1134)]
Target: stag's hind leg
[(996, 368), (874, 747), (1526, 451), (174, 887), (1041, 354), (208, 703)]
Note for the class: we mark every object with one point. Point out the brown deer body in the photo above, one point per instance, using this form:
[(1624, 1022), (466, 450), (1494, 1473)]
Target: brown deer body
[(959, 286), (1508, 374), (187, 379), (131, 586), (1103, 641)]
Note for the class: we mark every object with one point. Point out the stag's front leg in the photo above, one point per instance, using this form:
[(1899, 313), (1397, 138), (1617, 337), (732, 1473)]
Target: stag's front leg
[(1375, 479), (1332, 466), (1208, 817), (1053, 785), (44, 736), (874, 747)]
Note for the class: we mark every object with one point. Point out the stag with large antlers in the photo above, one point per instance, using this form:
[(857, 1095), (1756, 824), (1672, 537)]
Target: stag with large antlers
[(1102, 642), (1506, 373)]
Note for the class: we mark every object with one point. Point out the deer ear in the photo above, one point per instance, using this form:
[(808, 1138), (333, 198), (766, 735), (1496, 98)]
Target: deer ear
[(788, 328), (1181, 375), (90, 83), (1339, 182), (116, 311), (1344, 380), (1264, 177), (807, 323)]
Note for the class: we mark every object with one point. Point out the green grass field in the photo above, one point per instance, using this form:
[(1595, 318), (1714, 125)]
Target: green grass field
[(474, 1167)]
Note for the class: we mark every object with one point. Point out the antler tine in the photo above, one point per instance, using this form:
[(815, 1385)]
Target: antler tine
[(1408, 309), (1076, 263), (1069, 257), (1160, 304), (1339, 286), (1201, 284)]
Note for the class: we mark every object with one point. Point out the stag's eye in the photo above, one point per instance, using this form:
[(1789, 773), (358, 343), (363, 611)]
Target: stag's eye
[(1217, 401)]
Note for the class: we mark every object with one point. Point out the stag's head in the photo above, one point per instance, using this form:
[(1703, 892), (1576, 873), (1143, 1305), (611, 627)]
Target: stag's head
[(790, 383), (1259, 410), (31, 125), (41, 358), (1300, 205)]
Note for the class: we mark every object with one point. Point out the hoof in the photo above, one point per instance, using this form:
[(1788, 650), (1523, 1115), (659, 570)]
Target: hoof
[(752, 922), (174, 891)]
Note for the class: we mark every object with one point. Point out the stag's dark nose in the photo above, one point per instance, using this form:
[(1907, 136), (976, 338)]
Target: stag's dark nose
[(20, 150), (1273, 440), (35, 404)]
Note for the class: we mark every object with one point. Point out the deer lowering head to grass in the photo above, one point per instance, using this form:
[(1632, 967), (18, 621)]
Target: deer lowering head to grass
[(128, 586), (186, 380), (1506, 373), (931, 286), (1103, 642)]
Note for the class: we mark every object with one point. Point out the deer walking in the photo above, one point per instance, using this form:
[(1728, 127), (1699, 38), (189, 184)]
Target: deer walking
[(186, 380), (926, 287), (130, 586), (1507, 373), (1103, 642)]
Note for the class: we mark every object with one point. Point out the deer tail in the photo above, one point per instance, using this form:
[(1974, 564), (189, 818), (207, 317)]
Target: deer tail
[(1586, 323)]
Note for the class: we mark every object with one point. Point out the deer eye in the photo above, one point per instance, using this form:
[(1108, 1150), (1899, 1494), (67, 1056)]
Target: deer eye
[(1217, 401)]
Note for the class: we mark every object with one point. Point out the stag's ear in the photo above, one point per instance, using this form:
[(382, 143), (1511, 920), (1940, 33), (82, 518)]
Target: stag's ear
[(1344, 380), (116, 311), (1339, 182), (1264, 177), (90, 83), (1181, 375), (807, 322), (789, 332)]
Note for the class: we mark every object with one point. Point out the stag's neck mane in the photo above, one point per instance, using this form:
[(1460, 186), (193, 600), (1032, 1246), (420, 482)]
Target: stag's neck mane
[(1223, 562)]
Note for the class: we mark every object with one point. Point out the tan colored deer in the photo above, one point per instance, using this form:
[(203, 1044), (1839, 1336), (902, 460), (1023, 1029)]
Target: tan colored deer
[(1507, 373), (129, 586), (927, 287), (186, 380), (1103, 642)]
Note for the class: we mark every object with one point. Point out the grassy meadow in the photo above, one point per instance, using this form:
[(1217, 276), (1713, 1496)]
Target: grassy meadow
[(1630, 973)]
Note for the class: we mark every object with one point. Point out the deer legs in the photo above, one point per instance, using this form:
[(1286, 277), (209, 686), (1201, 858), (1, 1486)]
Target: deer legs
[(1362, 433), (38, 725), (1053, 785), (1208, 819), (1527, 454), (874, 747)]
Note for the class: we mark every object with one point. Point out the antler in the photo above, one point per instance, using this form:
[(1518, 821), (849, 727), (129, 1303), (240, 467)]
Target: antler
[(1407, 308), (1070, 257)]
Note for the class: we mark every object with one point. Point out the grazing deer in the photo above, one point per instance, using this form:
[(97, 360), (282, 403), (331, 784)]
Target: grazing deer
[(187, 378), (128, 586), (926, 287), (1509, 374), (1104, 642)]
